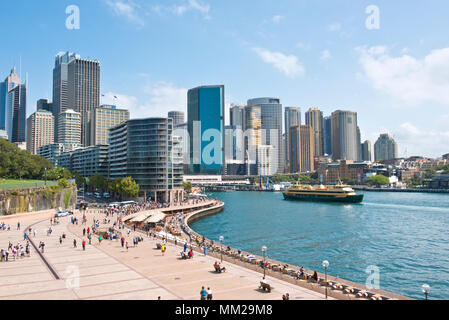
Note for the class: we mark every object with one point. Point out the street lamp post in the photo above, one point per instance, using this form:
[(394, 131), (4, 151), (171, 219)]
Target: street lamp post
[(426, 289), (264, 250), (325, 265), (221, 251), (45, 176)]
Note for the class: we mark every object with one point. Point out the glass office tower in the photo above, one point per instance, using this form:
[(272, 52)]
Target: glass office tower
[(205, 122)]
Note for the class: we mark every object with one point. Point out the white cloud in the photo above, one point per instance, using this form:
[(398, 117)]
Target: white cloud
[(196, 5), (334, 27), (119, 100), (289, 65), (417, 141), (277, 18), (407, 78), (156, 100), (325, 55), (164, 97), (127, 9)]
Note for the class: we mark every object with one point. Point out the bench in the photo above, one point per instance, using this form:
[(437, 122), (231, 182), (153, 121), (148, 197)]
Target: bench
[(265, 287)]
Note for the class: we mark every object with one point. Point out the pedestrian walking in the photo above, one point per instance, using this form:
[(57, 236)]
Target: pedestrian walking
[(84, 245), (203, 294), (74, 243), (163, 248), (209, 294)]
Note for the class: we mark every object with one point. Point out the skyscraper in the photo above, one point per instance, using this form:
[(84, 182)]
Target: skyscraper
[(344, 135), (205, 113), (16, 119), (327, 136), (177, 116), (367, 151), (69, 129), (44, 104), (302, 148), (271, 118), (40, 130), (13, 107), (292, 117), (103, 118), (84, 92), (76, 85), (60, 85), (359, 145), (237, 118), (314, 119), (385, 148)]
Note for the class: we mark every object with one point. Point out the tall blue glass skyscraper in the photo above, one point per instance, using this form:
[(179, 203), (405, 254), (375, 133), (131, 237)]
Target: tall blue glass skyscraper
[(205, 124), (13, 107)]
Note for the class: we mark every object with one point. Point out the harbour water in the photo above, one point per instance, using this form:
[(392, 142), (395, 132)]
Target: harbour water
[(404, 235)]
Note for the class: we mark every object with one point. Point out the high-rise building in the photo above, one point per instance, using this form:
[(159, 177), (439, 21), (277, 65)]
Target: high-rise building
[(359, 145), (146, 150), (40, 130), (44, 104), (292, 117), (367, 151), (103, 118), (302, 148), (385, 148), (6, 113), (69, 129), (76, 85), (205, 113), (13, 96), (314, 119), (16, 121), (237, 116), (84, 92), (344, 135), (60, 85), (271, 118), (327, 136), (177, 116)]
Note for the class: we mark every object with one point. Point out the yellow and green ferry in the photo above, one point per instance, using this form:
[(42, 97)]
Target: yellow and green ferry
[(337, 193)]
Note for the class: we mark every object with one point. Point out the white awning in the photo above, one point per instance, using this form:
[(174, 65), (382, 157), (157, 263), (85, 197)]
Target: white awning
[(141, 217), (155, 217)]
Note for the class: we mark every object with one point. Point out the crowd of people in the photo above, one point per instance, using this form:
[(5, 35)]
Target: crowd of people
[(15, 252)]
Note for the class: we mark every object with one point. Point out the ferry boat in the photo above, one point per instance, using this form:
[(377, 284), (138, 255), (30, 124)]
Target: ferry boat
[(337, 193)]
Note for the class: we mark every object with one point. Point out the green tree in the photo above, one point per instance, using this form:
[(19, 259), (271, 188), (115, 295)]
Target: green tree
[(59, 173), (128, 188), (187, 186), (79, 179), (97, 181), (378, 180)]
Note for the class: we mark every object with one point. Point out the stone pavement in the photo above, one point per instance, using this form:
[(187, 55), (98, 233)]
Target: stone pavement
[(108, 271)]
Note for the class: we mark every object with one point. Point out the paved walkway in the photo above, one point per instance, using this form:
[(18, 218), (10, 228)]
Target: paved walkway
[(108, 271)]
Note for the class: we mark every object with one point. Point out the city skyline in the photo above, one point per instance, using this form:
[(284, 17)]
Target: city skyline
[(315, 60)]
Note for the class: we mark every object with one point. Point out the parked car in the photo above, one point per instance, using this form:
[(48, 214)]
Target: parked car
[(63, 213), (97, 195), (106, 195), (88, 193)]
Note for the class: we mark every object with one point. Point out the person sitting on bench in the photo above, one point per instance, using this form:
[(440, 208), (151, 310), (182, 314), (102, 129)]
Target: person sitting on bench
[(264, 285)]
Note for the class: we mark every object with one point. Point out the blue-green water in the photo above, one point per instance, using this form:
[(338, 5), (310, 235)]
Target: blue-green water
[(406, 235)]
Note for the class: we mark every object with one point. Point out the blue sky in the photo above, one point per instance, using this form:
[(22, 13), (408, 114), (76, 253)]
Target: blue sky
[(315, 53)]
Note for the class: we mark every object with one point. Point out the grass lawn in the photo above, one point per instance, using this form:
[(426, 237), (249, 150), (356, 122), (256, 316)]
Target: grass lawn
[(7, 184)]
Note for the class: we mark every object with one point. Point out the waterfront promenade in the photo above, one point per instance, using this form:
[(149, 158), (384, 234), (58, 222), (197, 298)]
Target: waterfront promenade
[(108, 271)]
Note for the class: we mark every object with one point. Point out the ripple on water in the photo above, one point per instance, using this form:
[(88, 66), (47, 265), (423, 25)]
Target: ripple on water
[(403, 234)]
